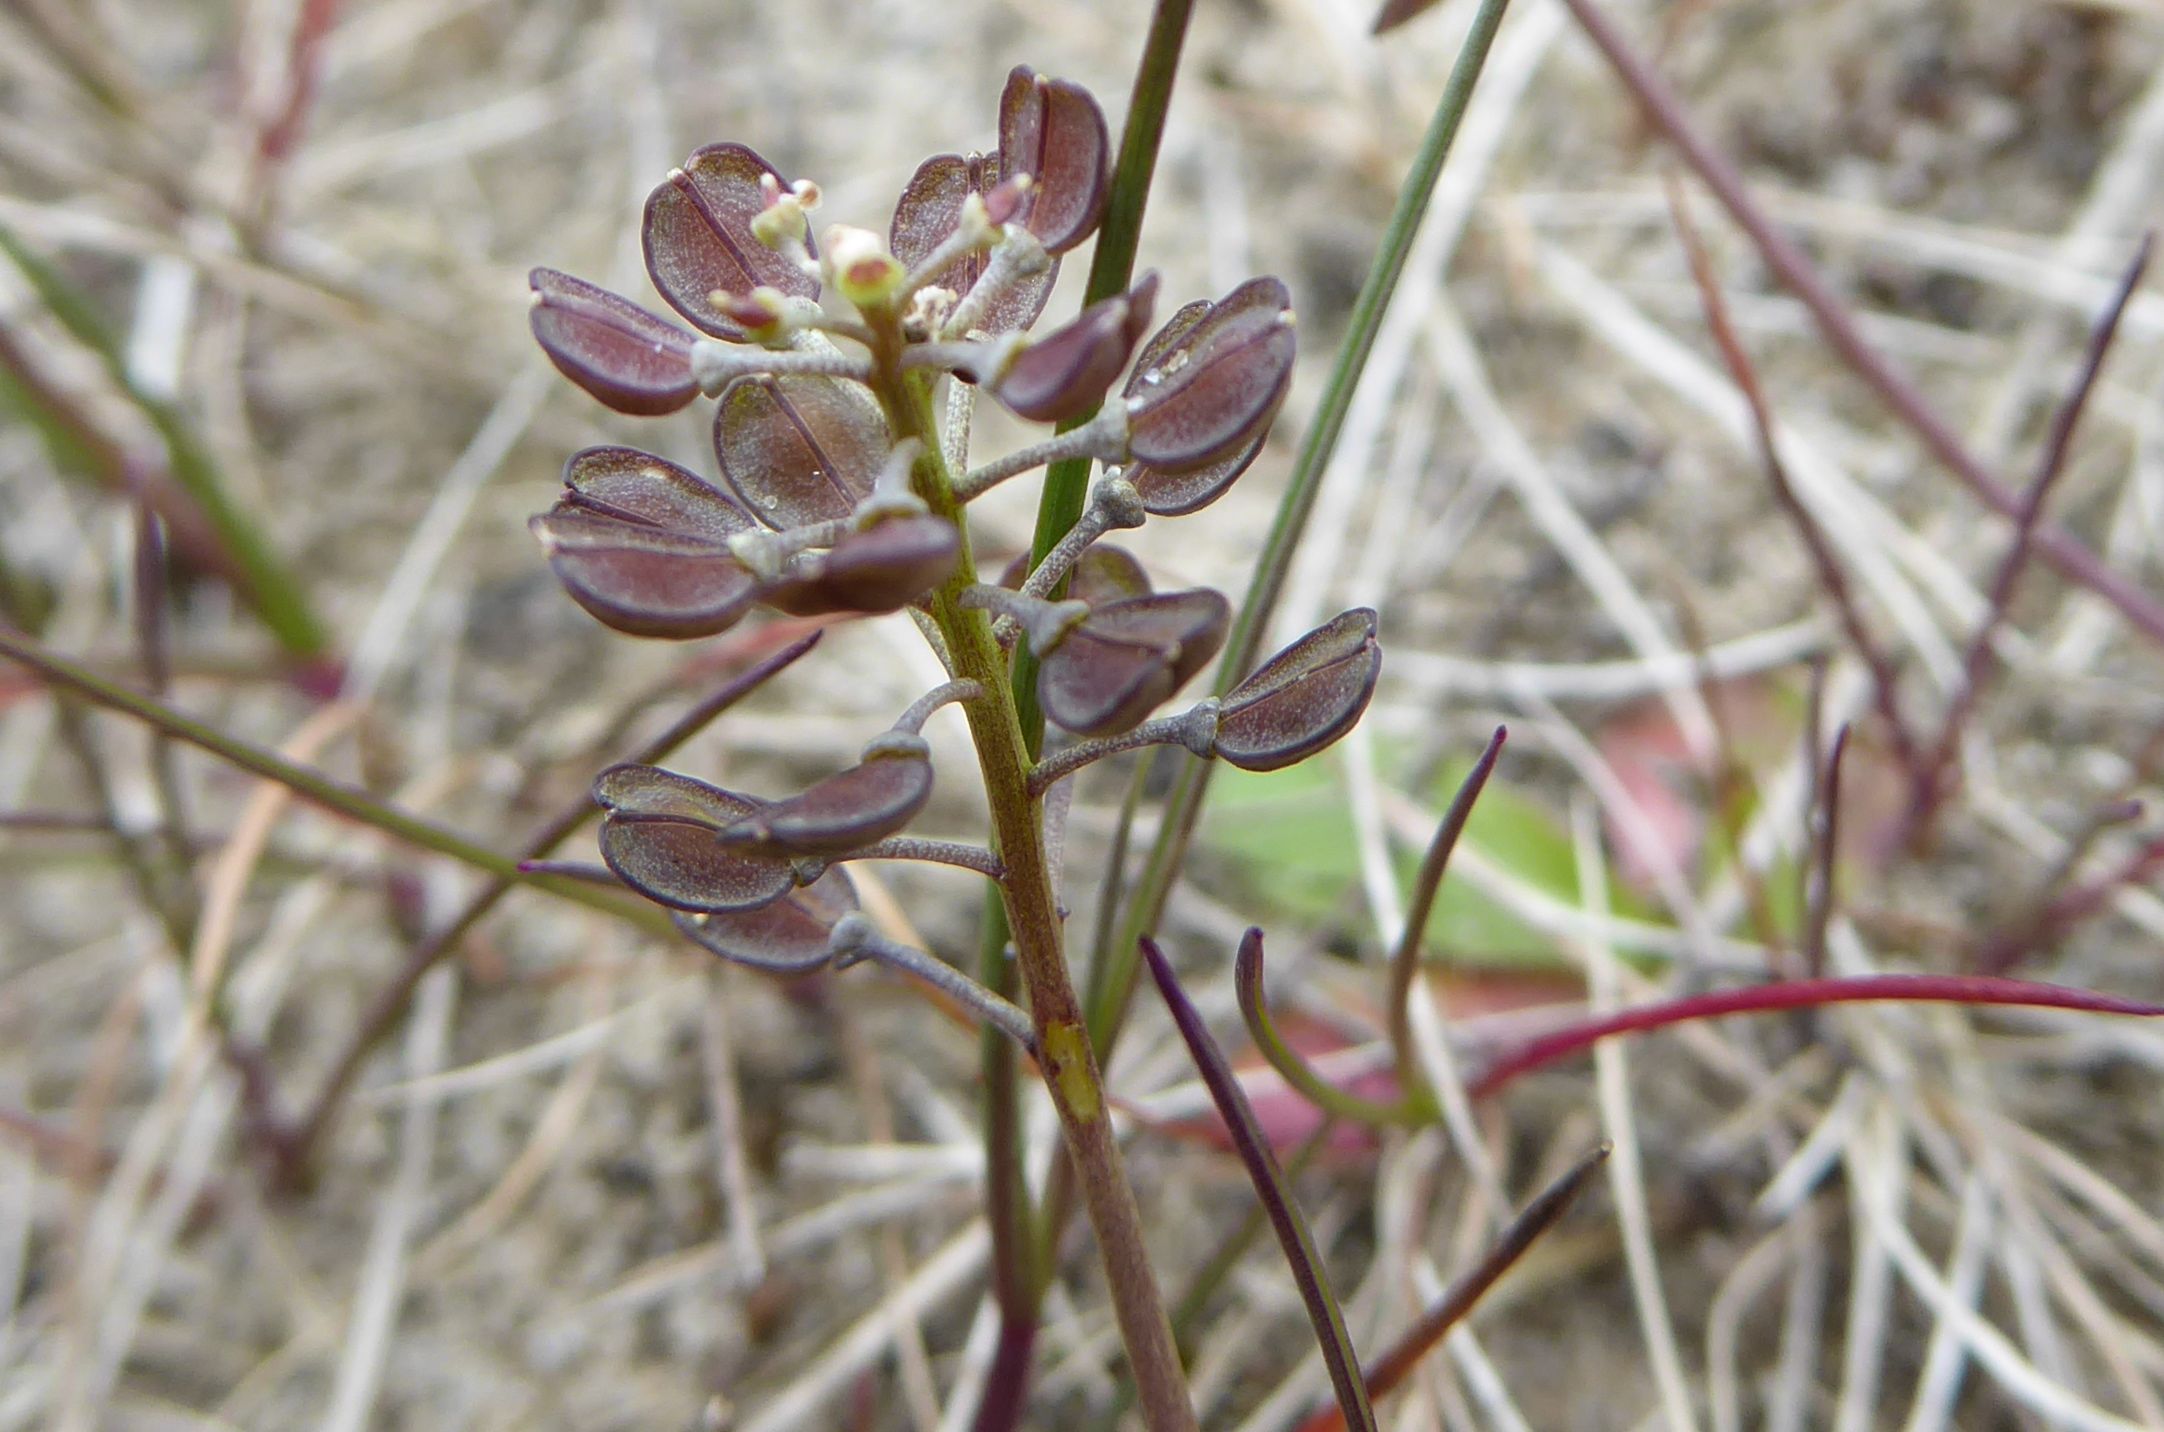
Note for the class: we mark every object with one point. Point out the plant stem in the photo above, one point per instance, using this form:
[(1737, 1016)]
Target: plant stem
[(1006, 1193), (1068, 1062), (1798, 994), (269, 586), (295, 1147), (1185, 805), (335, 795), (1838, 326), (1059, 507)]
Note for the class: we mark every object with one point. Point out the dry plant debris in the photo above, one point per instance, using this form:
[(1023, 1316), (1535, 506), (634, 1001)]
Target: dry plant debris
[(1792, 716)]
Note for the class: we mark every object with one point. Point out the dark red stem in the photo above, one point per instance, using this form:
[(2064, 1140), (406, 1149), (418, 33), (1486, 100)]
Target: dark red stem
[(1838, 327), (1798, 994)]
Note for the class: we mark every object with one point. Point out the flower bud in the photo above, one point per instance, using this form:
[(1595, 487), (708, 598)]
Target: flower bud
[(864, 272), (634, 361)]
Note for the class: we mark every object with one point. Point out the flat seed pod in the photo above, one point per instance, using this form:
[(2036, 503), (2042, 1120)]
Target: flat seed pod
[(846, 811), (1068, 371), (659, 838), (1053, 131), (1105, 573), (1126, 657), (644, 580), (633, 360), (798, 450), (881, 569), (1175, 494), (642, 544), (929, 211), (635, 486), (788, 937), (698, 239), (1207, 393), (1164, 340), (1304, 698)]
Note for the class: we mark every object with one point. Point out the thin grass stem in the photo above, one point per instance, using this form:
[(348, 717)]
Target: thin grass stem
[(1286, 1220), (1405, 961), (1387, 1373), (1184, 807)]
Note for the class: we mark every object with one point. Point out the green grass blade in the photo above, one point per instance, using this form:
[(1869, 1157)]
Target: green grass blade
[(1185, 804), (269, 586), (1112, 266)]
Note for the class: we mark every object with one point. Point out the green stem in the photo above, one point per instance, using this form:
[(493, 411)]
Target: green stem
[(1112, 265), (295, 1148), (1007, 1190), (273, 590), (1185, 806), (1068, 1063), (1059, 507), (332, 794)]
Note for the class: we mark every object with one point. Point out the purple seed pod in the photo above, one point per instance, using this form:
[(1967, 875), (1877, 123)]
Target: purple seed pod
[(1105, 573), (798, 450), (643, 545), (698, 239), (1068, 371), (881, 569), (633, 360), (1053, 131), (1122, 660), (788, 937), (1205, 391), (1304, 698), (930, 210), (846, 811), (659, 838)]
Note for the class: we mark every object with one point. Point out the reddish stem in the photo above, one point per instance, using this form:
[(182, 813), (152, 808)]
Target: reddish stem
[(2069, 909), (1838, 327), (1797, 994), (1383, 1375), (1832, 577), (1933, 781)]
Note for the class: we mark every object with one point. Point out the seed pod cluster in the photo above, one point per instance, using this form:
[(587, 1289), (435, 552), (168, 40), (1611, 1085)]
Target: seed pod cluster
[(835, 499)]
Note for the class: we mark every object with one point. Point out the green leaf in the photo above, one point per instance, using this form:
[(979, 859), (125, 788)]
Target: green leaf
[(1289, 836)]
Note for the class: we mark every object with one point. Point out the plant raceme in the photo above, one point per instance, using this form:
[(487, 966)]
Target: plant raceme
[(820, 510), (840, 493)]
